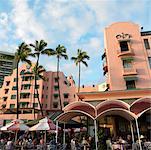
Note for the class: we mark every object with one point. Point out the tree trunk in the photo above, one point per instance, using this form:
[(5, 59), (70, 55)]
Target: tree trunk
[(17, 96), (35, 89), (39, 100), (79, 78), (58, 83)]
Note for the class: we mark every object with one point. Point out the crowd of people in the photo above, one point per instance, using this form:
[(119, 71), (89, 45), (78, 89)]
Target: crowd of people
[(36, 141)]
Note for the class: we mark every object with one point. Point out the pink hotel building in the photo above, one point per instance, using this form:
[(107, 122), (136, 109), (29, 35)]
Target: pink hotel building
[(127, 96), (127, 67), (48, 94)]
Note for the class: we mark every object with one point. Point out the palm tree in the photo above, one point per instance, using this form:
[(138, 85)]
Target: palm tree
[(59, 52), (38, 71), (39, 49), (22, 53), (81, 56)]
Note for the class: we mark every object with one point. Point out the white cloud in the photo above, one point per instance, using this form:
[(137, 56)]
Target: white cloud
[(3, 19), (27, 26)]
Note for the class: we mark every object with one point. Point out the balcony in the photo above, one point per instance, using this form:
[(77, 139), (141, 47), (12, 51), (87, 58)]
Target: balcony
[(129, 52), (129, 71)]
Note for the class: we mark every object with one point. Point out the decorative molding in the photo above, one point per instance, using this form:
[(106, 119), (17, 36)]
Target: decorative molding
[(123, 36)]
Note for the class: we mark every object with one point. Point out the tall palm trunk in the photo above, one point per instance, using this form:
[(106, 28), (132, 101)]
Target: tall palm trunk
[(58, 83), (17, 96), (38, 96), (36, 90), (79, 78)]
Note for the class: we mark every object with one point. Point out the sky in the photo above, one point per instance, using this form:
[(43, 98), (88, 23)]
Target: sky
[(76, 24)]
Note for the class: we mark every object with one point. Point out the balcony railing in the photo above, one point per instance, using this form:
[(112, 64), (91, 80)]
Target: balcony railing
[(129, 71), (125, 53)]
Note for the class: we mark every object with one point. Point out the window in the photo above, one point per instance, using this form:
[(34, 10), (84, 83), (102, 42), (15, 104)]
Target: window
[(47, 87), (27, 78), (6, 91), (65, 82), (12, 106), (5, 99), (23, 104), (35, 104), (43, 87), (127, 63), (46, 96), (55, 96), (66, 95), (55, 104), (36, 95), (13, 96), (56, 79), (7, 83), (130, 84), (146, 43), (46, 106), (15, 79), (149, 60), (124, 46), (37, 87), (25, 86), (65, 103), (14, 88), (24, 95), (42, 96), (56, 88)]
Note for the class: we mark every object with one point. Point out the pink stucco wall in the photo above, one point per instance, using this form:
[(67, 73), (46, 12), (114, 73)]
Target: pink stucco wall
[(46, 91), (114, 63)]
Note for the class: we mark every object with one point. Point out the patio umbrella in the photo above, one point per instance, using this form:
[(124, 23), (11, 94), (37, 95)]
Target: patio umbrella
[(44, 124), (15, 125)]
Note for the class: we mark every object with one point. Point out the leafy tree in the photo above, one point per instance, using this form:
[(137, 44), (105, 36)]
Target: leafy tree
[(80, 58), (38, 71), (40, 48)]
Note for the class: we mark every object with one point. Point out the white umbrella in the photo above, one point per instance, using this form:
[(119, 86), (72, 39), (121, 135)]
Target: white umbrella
[(15, 125), (44, 124)]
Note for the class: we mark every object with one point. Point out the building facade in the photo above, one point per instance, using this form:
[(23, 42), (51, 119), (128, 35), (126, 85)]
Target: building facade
[(7, 64), (127, 94), (127, 57), (47, 89)]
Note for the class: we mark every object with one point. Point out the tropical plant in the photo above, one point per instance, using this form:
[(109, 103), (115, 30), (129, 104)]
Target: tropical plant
[(59, 52), (38, 71), (39, 49), (80, 58), (22, 53)]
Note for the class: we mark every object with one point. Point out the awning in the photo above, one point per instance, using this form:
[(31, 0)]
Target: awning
[(117, 112), (127, 58), (130, 78)]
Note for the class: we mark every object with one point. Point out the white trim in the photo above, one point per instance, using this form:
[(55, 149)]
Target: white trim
[(114, 109), (114, 102), (74, 111), (139, 115), (140, 99), (78, 102)]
